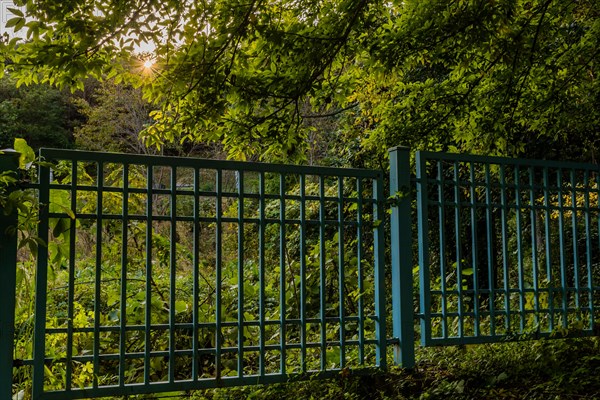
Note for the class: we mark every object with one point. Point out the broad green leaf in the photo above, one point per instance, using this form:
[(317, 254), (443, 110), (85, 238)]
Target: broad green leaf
[(16, 11), (27, 154), (180, 306)]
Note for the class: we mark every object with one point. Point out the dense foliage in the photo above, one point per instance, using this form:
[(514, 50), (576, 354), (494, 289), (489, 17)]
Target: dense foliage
[(484, 76), (41, 114), (500, 77), (338, 81), (114, 116)]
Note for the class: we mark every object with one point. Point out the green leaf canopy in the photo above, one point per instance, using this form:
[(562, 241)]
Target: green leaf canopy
[(487, 76)]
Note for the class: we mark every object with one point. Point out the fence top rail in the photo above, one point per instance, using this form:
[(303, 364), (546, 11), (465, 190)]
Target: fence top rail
[(520, 162), (190, 162)]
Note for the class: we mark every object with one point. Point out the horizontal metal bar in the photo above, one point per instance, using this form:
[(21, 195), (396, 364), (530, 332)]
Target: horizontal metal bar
[(490, 160), (512, 337), (130, 328), (208, 383), (502, 312), (512, 206), (450, 183), (165, 161), (205, 350), (203, 194), (519, 291), (143, 218)]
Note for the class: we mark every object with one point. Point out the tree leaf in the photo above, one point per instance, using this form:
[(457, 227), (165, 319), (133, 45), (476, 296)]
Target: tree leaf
[(27, 154)]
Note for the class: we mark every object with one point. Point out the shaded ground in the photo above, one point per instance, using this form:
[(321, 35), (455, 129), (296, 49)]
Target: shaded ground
[(547, 369)]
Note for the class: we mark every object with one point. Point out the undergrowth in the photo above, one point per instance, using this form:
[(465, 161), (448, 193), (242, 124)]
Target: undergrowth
[(545, 369)]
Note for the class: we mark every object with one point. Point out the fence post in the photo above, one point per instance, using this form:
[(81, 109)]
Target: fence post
[(401, 248), (8, 278)]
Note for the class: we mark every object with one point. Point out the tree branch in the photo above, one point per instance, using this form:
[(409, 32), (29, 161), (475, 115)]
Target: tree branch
[(331, 114)]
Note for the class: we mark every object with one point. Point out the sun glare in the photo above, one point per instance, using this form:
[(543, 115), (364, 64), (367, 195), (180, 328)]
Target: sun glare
[(148, 64)]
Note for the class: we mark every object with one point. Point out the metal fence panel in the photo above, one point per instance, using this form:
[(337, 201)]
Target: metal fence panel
[(168, 274), (175, 274), (509, 249)]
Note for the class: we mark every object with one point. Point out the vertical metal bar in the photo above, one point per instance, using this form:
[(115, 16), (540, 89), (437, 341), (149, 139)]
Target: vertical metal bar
[(322, 272), (474, 249), (490, 250), (459, 268), (563, 255), (41, 288), (359, 267), (71, 283), (401, 249), (98, 275), (442, 248), (8, 280), (261, 272), (240, 276), (303, 272), (423, 227), (547, 245), (218, 268), (575, 237), (589, 248), (149, 279), (123, 305), (282, 276), (341, 275), (196, 269), (594, 289), (519, 229), (379, 263), (505, 211), (172, 272), (534, 249)]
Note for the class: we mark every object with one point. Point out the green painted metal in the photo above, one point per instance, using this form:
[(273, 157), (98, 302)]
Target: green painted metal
[(423, 238), (98, 277), (341, 273), (174, 305), (149, 274), (379, 217), (207, 273), (124, 217), (240, 274), (282, 273), (401, 253), (507, 248), (41, 287), (303, 257), (8, 260), (322, 275), (360, 274)]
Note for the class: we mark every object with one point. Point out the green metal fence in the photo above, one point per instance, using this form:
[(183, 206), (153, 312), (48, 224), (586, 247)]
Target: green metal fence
[(8, 272), (508, 248), (172, 274), (162, 274)]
